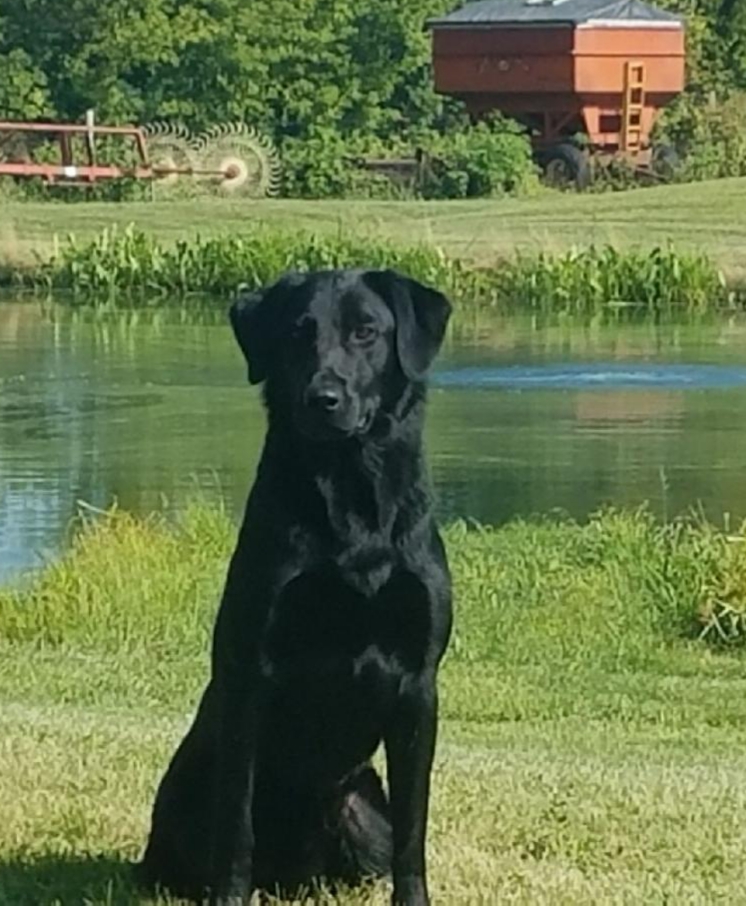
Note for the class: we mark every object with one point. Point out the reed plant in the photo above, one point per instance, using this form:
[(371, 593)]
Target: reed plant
[(133, 265), (586, 280)]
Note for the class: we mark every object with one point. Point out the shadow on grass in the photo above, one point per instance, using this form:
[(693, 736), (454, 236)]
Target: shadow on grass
[(75, 880), (80, 880)]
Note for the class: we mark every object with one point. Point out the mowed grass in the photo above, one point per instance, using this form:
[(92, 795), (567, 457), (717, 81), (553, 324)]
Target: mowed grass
[(592, 748), (702, 217)]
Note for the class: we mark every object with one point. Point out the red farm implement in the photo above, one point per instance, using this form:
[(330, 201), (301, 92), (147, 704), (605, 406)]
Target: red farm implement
[(587, 78), (229, 159)]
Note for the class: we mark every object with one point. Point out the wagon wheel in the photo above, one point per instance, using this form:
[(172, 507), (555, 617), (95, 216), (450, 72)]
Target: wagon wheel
[(238, 160), (566, 166), (170, 147), (665, 161)]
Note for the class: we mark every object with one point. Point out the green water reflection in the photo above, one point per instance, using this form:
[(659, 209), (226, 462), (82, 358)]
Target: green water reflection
[(143, 407)]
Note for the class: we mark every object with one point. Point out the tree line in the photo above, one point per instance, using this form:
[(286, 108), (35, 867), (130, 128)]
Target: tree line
[(323, 78), (291, 67)]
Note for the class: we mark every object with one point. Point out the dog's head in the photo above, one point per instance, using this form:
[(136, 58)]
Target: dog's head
[(336, 348)]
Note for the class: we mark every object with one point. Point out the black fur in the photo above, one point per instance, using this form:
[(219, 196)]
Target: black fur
[(335, 615)]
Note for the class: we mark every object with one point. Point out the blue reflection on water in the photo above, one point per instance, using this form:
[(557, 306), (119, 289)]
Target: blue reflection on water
[(594, 376)]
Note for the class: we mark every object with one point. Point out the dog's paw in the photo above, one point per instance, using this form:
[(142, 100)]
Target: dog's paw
[(234, 901), (254, 899), (410, 892)]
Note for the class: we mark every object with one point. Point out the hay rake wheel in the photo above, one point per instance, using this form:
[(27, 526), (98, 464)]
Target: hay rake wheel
[(171, 149), (239, 160), (14, 147)]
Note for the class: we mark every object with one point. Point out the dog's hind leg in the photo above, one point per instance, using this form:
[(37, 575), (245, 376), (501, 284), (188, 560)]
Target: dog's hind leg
[(362, 839)]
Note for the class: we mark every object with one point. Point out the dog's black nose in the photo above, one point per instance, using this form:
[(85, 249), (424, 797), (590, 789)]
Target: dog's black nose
[(326, 399)]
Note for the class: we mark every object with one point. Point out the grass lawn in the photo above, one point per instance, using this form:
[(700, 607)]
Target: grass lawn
[(706, 217), (588, 754)]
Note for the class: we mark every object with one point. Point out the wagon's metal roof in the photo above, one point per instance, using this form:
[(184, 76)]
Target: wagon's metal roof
[(559, 12)]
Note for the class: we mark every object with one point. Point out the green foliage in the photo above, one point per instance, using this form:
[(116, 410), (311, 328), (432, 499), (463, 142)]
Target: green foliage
[(24, 91), (330, 80), (136, 264), (589, 279), (489, 159), (485, 160), (102, 555), (324, 165), (325, 78), (716, 43), (528, 591), (288, 66), (706, 123), (711, 137)]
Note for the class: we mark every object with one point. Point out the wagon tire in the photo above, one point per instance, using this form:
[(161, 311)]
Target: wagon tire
[(566, 166), (665, 161)]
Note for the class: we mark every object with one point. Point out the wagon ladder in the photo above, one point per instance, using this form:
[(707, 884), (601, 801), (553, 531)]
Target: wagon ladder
[(634, 105)]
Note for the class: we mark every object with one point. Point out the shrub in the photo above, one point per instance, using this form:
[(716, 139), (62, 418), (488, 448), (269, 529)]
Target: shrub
[(489, 159), (324, 166), (710, 137)]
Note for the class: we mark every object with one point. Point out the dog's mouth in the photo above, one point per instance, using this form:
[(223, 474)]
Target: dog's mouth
[(365, 421), (337, 426)]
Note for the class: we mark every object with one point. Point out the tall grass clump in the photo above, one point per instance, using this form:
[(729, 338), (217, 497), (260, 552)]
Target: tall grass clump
[(585, 280), (127, 582), (134, 264), (614, 590)]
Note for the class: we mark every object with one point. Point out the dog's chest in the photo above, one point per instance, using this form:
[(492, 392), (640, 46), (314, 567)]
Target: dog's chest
[(335, 660), (323, 625)]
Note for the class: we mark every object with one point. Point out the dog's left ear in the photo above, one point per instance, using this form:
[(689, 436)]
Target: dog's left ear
[(257, 321), (421, 315)]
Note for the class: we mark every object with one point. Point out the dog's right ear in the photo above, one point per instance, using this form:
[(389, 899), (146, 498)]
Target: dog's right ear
[(257, 320)]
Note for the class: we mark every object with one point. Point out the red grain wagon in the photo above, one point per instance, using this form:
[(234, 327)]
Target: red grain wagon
[(596, 69)]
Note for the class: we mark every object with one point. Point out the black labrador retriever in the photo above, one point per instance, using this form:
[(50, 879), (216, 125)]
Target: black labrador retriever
[(335, 615)]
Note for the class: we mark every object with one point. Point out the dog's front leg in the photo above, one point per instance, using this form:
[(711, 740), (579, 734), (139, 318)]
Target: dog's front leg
[(237, 678), (410, 746), (232, 838)]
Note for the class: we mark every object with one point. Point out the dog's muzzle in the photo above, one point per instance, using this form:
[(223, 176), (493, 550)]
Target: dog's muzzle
[(329, 409)]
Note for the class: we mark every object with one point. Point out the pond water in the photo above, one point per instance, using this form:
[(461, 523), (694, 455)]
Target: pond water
[(146, 408)]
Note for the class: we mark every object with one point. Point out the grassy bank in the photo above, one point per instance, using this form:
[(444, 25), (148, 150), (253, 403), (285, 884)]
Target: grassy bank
[(133, 265), (592, 748), (703, 217)]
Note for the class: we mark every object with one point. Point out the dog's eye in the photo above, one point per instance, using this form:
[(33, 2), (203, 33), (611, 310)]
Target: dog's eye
[(363, 333)]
